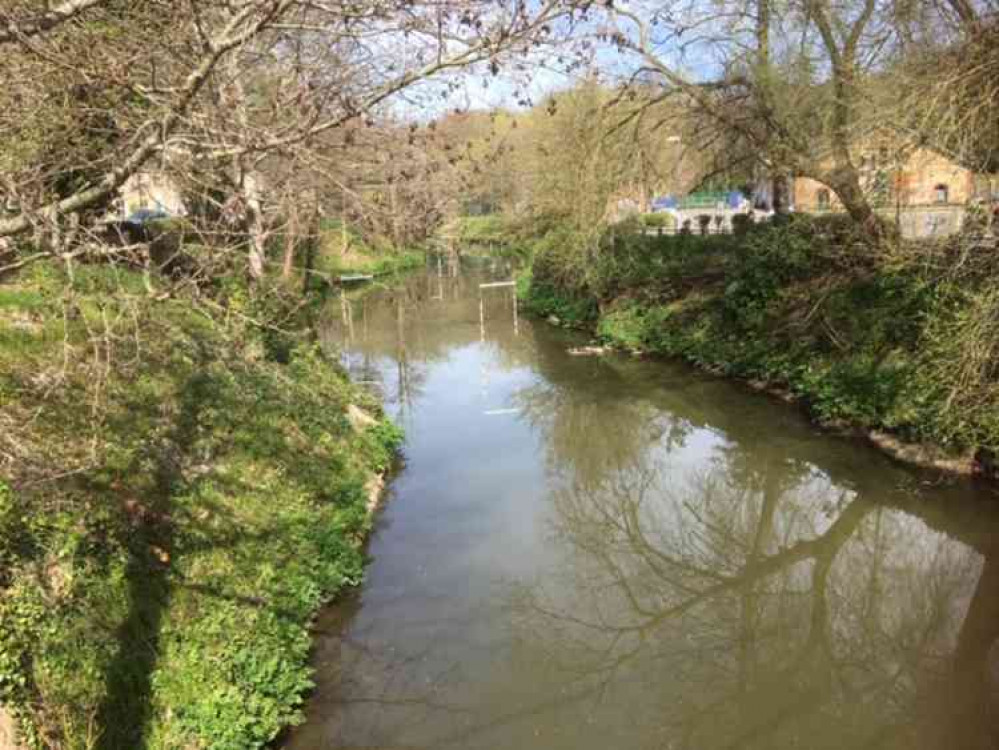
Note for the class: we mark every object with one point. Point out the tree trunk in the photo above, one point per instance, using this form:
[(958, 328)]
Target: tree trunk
[(290, 239), (781, 193), (845, 182), (257, 249), (256, 228), (313, 240)]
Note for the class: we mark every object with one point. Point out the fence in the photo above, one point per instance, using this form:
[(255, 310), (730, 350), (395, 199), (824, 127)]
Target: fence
[(914, 222), (703, 220)]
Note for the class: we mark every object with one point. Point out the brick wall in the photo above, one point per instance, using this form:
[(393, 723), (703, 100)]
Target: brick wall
[(807, 196), (914, 180), (925, 170)]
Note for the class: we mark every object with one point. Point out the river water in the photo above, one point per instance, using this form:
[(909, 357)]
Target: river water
[(613, 553)]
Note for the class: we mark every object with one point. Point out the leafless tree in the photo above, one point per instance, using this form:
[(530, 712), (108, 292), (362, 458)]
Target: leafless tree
[(205, 88)]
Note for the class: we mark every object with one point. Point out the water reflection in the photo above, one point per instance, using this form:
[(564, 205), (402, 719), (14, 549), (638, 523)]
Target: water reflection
[(778, 616), (642, 557)]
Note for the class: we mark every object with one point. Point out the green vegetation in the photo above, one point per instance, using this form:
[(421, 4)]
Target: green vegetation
[(347, 252), (183, 487), (375, 265), (901, 340), (488, 229), (654, 221)]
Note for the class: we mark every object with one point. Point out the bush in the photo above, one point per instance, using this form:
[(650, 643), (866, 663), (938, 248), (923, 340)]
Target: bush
[(741, 224), (657, 220), (838, 229)]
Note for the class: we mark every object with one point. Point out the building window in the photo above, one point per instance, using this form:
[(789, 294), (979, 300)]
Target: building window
[(822, 198), (941, 194)]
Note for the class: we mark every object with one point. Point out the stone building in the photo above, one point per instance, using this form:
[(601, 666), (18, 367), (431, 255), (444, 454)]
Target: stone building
[(924, 191), (150, 189)]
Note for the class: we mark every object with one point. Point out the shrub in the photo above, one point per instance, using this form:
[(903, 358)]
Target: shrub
[(657, 220), (838, 229), (741, 224)]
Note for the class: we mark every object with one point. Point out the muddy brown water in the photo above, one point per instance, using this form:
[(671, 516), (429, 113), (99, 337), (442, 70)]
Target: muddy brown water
[(613, 553)]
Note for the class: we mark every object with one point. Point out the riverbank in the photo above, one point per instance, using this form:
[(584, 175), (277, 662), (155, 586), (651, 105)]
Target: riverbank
[(185, 480), (342, 251), (898, 345), (373, 265)]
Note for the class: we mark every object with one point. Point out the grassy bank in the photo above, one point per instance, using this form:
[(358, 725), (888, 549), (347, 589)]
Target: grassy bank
[(182, 486), (343, 251), (488, 230), (901, 340), (491, 235)]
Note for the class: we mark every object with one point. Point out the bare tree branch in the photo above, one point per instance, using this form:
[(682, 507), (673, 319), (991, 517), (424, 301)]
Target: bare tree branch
[(16, 30)]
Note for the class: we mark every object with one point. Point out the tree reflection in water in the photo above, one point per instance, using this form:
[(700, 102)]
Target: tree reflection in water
[(761, 603)]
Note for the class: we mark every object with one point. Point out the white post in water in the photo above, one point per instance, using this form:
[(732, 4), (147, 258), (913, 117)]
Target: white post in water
[(482, 313), (348, 316), (516, 326), (482, 318)]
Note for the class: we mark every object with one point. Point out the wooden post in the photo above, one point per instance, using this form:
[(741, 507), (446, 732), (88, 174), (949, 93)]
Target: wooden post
[(343, 221), (290, 238)]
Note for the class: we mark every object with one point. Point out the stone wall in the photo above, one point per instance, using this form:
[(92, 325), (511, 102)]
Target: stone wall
[(928, 221), (916, 221)]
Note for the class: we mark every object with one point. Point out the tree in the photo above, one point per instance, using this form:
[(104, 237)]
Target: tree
[(800, 88), (234, 89)]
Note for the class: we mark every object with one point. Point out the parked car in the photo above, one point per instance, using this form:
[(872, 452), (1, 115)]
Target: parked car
[(134, 227), (143, 216)]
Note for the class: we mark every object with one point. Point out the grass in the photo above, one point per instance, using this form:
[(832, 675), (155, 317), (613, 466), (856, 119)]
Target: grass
[(169, 523), (375, 265), (350, 253), (487, 229)]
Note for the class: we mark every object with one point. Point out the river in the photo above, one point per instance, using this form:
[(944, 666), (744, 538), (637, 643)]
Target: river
[(605, 552)]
